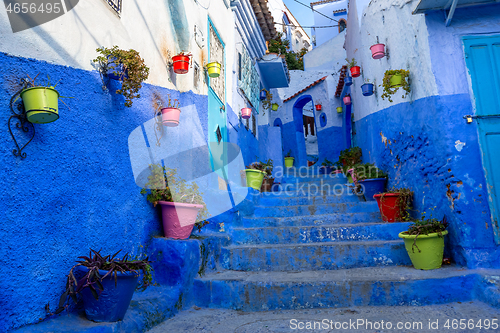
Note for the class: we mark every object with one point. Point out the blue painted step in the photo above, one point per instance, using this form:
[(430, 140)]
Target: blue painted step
[(275, 200), (305, 210), (314, 256), (336, 218), (318, 234), (259, 291)]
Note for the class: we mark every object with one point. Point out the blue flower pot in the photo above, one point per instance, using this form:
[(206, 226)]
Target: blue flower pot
[(348, 80), (372, 187), (263, 95), (113, 301), (367, 89), (276, 187), (117, 68)]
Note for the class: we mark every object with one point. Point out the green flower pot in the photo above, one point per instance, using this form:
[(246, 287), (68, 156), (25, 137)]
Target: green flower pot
[(396, 80), (289, 162), (274, 107), (339, 109), (254, 178), (431, 248), (41, 104)]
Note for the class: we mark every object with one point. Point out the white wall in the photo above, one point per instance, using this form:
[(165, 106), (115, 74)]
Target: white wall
[(328, 56), (146, 26), (408, 50), (325, 34)]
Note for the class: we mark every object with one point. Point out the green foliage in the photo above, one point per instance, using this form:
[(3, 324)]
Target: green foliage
[(268, 168), (386, 83), (93, 280), (266, 104), (293, 60), (327, 163), (350, 156), (368, 171), (351, 63), (425, 227), (133, 66), (165, 185)]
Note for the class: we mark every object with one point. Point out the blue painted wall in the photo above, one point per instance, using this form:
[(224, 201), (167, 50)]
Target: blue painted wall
[(330, 143), (74, 191), (416, 144)]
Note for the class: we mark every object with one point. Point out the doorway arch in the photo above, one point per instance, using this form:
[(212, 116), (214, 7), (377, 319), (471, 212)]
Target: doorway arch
[(299, 149)]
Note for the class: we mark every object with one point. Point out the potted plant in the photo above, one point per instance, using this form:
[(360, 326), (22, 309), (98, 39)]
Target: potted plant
[(347, 100), (348, 80), (367, 88), (274, 107), (369, 180), (255, 173), (424, 242), (267, 183), (181, 63), (213, 69), (339, 109), (106, 284), (394, 204), (178, 200), (126, 66), (393, 80), (266, 97), (350, 156), (289, 159), (263, 94), (170, 114), (41, 102), (355, 70), (318, 107), (326, 167), (378, 50)]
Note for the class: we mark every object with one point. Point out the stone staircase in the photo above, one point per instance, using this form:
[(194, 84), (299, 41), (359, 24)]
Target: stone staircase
[(321, 248)]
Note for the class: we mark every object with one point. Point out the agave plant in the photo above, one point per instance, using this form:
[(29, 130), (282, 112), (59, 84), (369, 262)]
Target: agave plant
[(93, 279)]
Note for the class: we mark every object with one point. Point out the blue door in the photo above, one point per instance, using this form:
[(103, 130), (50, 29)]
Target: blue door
[(482, 56), (217, 130)]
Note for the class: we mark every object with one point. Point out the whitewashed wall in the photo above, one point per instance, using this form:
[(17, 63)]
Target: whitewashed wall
[(146, 26), (387, 19)]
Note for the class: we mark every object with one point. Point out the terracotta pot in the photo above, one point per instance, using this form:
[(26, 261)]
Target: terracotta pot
[(267, 185)]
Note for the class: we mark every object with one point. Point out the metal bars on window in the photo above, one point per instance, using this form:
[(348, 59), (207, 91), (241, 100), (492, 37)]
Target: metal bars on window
[(250, 80), (217, 54), (116, 5)]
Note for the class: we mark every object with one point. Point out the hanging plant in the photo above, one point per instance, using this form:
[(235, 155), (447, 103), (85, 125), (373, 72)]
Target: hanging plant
[(266, 103), (126, 66), (355, 70), (395, 79)]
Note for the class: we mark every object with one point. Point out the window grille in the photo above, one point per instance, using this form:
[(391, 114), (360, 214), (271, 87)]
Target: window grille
[(116, 5), (249, 82), (217, 54)]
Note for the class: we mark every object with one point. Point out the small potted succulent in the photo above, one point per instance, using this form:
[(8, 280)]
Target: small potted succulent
[(126, 66), (181, 204), (255, 173), (171, 113), (355, 70), (369, 180), (393, 80), (267, 183), (289, 159), (106, 284), (424, 242), (326, 167), (394, 204), (367, 88)]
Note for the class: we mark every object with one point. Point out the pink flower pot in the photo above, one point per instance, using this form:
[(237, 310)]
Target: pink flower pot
[(170, 116), (178, 218), (347, 100), (246, 113), (378, 51)]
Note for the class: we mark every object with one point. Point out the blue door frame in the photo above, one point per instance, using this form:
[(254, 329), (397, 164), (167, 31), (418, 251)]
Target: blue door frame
[(482, 57)]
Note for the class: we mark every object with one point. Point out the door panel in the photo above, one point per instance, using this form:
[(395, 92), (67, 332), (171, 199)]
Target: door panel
[(482, 56)]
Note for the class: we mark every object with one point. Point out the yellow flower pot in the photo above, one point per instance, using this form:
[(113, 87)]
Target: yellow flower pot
[(213, 69)]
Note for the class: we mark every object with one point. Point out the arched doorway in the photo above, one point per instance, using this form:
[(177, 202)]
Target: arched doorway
[(305, 128)]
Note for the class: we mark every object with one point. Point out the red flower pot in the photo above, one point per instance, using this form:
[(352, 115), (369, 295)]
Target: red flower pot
[(378, 51), (318, 107), (389, 205), (347, 100), (355, 71), (181, 63), (246, 113)]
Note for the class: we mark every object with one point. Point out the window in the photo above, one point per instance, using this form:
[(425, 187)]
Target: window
[(342, 25), (298, 34), (217, 54), (249, 80), (116, 5), (306, 44), (196, 74), (239, 66)]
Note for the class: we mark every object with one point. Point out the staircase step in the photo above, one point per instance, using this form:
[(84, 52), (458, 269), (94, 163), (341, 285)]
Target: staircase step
[(320, 219), (314, 256), (305, 210), (273, 199), (317, 180), (389, 286), (318, 234)]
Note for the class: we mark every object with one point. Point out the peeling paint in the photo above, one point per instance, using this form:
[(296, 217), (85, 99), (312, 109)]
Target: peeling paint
[(459, 145)]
